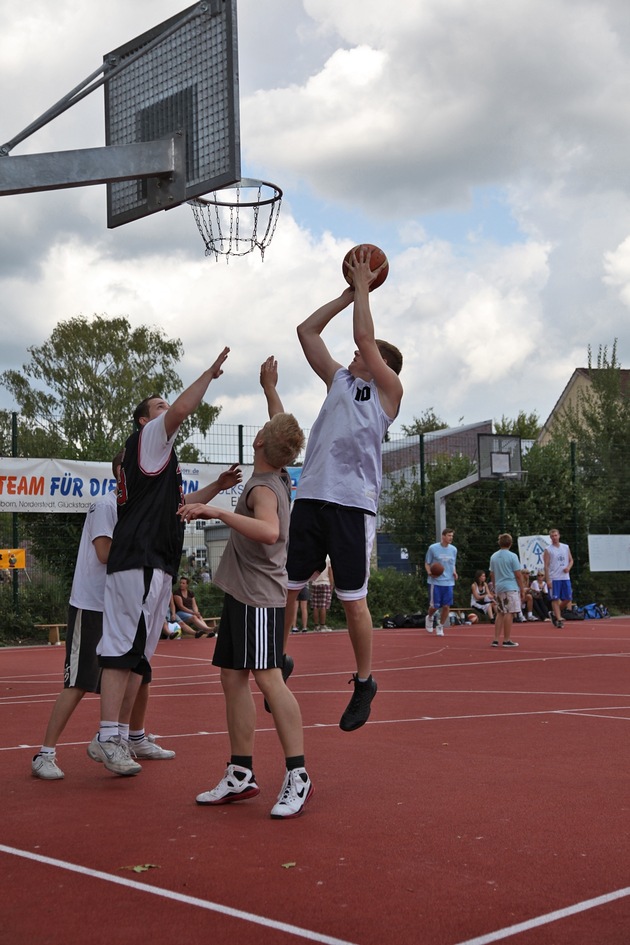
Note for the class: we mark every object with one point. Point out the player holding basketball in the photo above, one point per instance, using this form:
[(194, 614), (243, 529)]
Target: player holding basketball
[(336, 501), (558, 562), (441, 586)]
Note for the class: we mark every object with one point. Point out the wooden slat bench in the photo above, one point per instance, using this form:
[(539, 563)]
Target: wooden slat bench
[(53, 631)]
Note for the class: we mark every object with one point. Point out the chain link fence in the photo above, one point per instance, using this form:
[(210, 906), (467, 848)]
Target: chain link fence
[(551, 495)]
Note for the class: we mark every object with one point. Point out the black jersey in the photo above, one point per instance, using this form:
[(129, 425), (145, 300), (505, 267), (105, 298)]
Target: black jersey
[(149, 533)]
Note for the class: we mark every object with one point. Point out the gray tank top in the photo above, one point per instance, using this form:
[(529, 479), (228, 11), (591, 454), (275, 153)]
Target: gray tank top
[(253, 573)]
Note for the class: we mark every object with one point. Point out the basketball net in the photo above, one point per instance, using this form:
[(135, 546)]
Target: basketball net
[(237, 219)]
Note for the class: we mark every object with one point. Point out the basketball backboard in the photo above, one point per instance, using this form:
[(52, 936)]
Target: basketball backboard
[(171, 116), (499, 457), (180, 77)]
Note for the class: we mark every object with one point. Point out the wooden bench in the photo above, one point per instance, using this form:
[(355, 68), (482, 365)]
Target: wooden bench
[(53, 631)]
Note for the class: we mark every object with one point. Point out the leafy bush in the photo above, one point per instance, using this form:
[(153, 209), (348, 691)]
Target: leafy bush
[(37, 603), (389, 592)]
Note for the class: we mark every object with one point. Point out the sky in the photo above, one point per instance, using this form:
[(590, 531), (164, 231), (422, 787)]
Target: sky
[(484, 146)]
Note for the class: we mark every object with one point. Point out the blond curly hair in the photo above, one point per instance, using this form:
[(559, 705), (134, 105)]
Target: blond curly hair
[(283, 440)]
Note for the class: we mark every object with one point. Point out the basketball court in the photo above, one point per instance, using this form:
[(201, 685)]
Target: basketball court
[(482, 802)]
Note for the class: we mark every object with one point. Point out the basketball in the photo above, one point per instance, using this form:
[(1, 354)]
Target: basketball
[(437, 569), (377, 256), (472, 618)]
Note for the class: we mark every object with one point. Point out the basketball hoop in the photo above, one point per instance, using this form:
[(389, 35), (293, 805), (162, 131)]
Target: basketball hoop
[(236, 219)]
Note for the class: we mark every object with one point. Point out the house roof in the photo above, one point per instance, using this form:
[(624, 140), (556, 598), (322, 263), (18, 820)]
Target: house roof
[(586, 374)]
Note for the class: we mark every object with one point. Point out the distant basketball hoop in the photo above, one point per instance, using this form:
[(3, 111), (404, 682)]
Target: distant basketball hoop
[(238, 218), (499, 457)]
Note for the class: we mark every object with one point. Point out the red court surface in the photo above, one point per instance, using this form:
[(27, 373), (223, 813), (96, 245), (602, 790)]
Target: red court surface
[(486, 800)]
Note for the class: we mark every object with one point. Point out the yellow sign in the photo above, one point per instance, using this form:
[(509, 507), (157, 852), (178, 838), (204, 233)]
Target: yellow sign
[(12, 558)]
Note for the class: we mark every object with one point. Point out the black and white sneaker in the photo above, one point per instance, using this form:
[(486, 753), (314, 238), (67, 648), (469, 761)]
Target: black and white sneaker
[(296, 790), (360, 705), (237, 784)]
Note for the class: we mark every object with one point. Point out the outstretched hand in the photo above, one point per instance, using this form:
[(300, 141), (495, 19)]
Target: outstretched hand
[(269, 373), (216, 368), (231, 477), (188, 513)]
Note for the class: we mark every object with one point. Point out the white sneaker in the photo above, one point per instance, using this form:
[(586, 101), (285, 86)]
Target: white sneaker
[(296, 790), (114, 754), (428, 624), (46, 768), (439, 630), (149, 750), (237, 784), (531, 618)]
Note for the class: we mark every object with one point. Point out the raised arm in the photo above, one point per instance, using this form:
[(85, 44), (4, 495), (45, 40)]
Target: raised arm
[(389, 387), (269, 383), (189, 400), (309, 334)]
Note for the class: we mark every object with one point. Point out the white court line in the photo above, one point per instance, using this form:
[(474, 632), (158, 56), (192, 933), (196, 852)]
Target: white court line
[(546, 919), (486, 939), (178, 897), (422, 718)]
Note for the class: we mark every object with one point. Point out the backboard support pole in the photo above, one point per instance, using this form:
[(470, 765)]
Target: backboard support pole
[(440, 501), (163, 160)]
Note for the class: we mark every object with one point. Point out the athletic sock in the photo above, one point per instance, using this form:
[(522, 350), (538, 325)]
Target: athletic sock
[(296, 761), (123, 731), (107, 730), (45, 750), (135, 737), (243, 761)]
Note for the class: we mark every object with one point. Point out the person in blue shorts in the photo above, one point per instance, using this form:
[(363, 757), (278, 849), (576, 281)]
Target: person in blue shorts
[(558, 562), (441, 588)]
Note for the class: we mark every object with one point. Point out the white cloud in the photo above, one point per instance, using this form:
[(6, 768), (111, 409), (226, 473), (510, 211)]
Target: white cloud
[(377, 126)]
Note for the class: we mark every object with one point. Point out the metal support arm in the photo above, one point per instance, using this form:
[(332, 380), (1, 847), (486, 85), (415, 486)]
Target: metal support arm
[(57, 170)]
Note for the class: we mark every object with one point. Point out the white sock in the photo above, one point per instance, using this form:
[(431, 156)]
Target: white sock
[(136, 736), (123, 731), (45, 750), (107, 730)]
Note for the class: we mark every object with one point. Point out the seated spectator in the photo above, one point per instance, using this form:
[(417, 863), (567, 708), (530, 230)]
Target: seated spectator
[(481, 597), (541, 597), (187, 610), (528, 600), (174, 628)]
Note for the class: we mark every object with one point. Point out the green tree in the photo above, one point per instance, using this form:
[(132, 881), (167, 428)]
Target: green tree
[(77, 393), (427, 422), (76, 398), (525, 425)]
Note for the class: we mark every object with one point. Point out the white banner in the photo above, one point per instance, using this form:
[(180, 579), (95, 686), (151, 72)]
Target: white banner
[(531, 549), (58, 485), (609, 552)]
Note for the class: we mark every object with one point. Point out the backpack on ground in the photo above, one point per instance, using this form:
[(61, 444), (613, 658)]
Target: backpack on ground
[(595, 611), (576, 613)]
